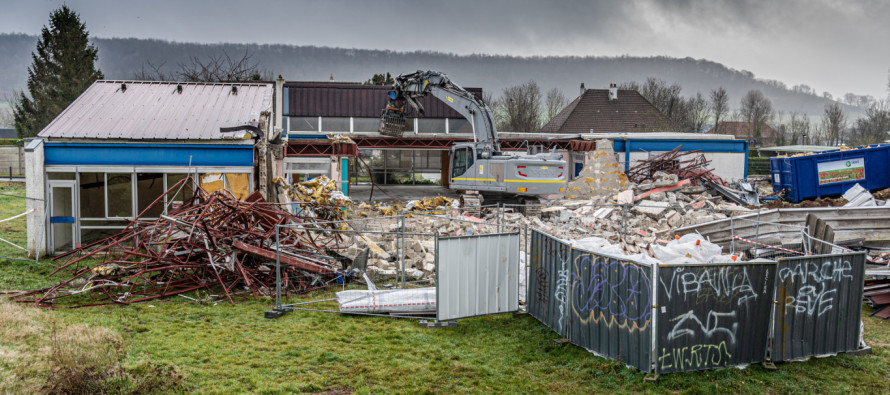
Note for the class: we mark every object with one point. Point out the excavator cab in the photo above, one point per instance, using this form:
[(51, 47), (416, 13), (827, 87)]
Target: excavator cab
[(393, 119)]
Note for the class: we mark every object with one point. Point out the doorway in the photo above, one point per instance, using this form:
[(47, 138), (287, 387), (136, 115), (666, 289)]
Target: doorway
[(61, 216)]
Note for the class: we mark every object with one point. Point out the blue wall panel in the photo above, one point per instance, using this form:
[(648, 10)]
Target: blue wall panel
[(148, 154)]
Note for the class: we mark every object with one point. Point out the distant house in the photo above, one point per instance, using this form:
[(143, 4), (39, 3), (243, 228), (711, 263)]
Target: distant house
[(745, 131), (8, 134), (610, 111)]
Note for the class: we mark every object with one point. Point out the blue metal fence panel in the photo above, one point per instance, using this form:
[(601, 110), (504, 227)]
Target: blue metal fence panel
[(548, 280), (712, 316), (818, 305), (611, 307)]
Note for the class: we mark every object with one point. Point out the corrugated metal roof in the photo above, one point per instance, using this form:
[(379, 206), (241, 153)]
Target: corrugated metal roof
[(313, 99), (154, 110)]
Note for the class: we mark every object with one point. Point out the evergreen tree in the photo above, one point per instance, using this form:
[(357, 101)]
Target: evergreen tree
[(380, 79), (62, 68)]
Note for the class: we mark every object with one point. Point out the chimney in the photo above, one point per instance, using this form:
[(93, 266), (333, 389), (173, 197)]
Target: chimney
[(582, 89), (613, 92)]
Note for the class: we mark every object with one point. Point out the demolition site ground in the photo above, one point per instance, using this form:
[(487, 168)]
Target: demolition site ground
[(180, 345)]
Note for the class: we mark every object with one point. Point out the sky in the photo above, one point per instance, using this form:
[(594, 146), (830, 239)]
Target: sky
[(837, 46)]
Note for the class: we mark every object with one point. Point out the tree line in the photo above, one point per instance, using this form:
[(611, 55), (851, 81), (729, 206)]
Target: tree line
[(524, 108)]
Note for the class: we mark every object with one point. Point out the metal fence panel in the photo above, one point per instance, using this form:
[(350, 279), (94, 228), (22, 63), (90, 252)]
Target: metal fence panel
[(548, 280), (713, 315), (611, 307), (477, 275), (818, 305)]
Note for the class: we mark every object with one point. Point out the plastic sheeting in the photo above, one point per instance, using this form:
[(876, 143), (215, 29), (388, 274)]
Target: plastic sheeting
[(690, 248), (388, 301)]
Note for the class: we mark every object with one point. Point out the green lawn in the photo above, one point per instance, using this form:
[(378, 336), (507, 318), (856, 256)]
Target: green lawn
[(228, 348)]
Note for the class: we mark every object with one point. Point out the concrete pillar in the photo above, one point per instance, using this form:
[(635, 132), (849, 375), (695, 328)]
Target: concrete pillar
[(35, 190), (278, 117), (335, 171)]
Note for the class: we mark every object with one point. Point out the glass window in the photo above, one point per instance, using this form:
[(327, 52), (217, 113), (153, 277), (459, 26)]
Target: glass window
[(458, 125), (107, 228), (181, 193), (120, 194), (409, 125), (393, 159), (149, 186), (470, 157), (303, 124), (365, 124), (92, 195), (460, 162), (431, 125), (335, 124)]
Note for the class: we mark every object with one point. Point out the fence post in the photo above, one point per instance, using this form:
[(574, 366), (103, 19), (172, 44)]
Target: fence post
[(731, 236), (277, 267), (402, 250), (623, 220)]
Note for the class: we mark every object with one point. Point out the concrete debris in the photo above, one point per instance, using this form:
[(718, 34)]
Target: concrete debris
[(601, 175), (857, 196)]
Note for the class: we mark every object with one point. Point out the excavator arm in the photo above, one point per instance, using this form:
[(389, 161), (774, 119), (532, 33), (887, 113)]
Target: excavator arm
[(408, 89)]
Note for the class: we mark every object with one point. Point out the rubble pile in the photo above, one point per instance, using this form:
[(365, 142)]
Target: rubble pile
[(212, 243), (318, 197), (601, 175), (419, 250), (661, 204), (673, 162)]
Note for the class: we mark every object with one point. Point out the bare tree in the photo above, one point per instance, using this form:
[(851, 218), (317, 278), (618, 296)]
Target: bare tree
[(521, 105), (799, 126), (216, 68), (833, 122), (554, 102), (666, 98), (663, 96), (153, 73), (873, 127), (698, 112), (7, 120), (719, 105), (758, 110), (496, 107)]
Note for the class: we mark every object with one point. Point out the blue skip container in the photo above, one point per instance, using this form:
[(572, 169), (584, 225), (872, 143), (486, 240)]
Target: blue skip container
[(831, 173)]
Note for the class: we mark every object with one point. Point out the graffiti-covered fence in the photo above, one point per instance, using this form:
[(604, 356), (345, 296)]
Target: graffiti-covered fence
[(712, 316), (818, 305), (598, 302), (673, 318)]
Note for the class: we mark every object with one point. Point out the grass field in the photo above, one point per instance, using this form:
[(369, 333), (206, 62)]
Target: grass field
[(181, 346)]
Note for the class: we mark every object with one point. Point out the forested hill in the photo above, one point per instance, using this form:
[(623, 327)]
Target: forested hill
[(124, 58)]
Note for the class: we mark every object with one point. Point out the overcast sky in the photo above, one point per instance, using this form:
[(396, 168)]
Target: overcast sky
[(839, 46)]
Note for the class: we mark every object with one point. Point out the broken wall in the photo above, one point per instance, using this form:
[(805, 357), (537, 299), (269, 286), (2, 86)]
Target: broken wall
[(601, 176)]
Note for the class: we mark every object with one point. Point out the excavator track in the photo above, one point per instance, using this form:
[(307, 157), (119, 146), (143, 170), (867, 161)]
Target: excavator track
[(531, 207)]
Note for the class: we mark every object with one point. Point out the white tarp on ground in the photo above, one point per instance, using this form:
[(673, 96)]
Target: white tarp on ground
[(690, 248), (414, 300)]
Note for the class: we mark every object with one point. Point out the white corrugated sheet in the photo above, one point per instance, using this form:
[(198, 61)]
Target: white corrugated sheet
[(158, 111)]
